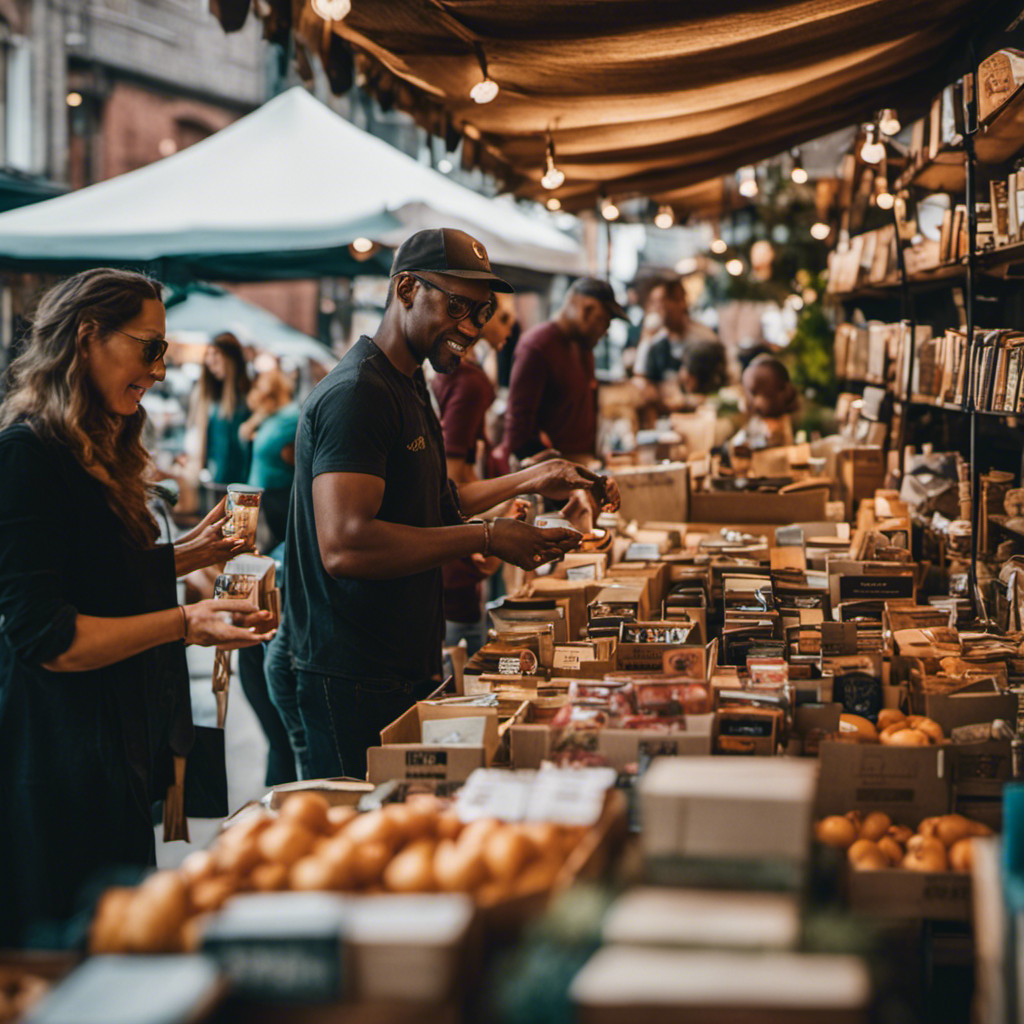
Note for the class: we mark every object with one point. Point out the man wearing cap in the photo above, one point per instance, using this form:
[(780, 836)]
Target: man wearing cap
[(552, 394), (374, 515)]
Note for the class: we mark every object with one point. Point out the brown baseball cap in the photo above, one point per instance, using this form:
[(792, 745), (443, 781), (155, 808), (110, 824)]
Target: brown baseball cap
[(595, 288), (447, 251)]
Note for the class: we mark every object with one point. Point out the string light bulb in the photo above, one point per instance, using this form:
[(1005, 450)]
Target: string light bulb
[(362, 244), (664, 218), (820, 231), (719, 246), (873, 150), (332, 10), (798, 175), (885, 200), (609, 210), (889, 122), (553, 203), (486, 89), (734, 267), (73, 99), (748, 182), (553, 177), (445, 166)]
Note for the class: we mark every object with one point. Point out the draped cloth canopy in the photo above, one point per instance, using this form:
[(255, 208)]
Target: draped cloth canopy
[(640, 98)]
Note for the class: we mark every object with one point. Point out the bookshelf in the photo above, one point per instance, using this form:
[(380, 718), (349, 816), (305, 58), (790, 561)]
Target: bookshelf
[(1001, 136), (943, 172)]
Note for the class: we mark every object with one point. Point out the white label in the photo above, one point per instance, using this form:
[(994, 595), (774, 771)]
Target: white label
[(509, 666), (570, 657), (581, 572), (642, 553)]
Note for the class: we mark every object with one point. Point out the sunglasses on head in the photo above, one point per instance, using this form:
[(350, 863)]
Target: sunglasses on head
[(153, 348), (461, 306)]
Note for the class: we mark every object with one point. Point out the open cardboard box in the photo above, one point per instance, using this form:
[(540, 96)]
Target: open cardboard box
[(622, 747), (634, 656), (744, 508), (952, 710), (403, 755), (578, 593), (909, 784), (654, 492)]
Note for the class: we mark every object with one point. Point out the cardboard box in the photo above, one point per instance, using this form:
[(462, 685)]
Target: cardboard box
[(742, 508), (980, 771), (861, 472), (751, 732), (578, 593), (649, 657), (581, 565), (941, 895), (654, 492), (403, 755), (908, 783), (657, 574), (623, 600), (623, 747), (951, 710)]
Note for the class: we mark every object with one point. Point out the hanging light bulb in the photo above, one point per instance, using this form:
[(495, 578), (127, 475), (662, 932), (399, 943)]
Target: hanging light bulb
[(445, 166), (889, 122), (362, 244), (734, 267), (609, 210), (664, 218), (873, 151), (798, 174), (719, 246), (332, 10), (486, 89), (553, 177), (820, 231), (748, 182), (885, 200), (553, 203)]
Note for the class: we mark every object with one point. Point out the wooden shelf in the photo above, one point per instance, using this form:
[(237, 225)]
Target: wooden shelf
[(1000, 261), (1002, 136), (1003, 523), (891, 285), (944, 172)]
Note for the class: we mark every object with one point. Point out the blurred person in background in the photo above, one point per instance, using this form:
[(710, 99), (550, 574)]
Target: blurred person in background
[(217, 412), (271, 432), (704, 370), (770, 400), (464, 397), (667, 331), (94, 694), (552, 395)]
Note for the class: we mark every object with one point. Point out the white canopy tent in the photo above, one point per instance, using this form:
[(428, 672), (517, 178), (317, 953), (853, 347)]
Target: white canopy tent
[(278, 194)]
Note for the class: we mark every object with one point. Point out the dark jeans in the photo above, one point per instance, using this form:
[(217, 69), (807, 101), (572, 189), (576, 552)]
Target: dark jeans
[(284, 693), (343, 718), (280, 759)]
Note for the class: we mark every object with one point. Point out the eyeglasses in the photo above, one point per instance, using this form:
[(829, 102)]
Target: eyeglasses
[(154, 350), (461, 306)]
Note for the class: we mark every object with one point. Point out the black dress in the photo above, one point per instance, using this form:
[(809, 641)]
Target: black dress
[(83, 755)]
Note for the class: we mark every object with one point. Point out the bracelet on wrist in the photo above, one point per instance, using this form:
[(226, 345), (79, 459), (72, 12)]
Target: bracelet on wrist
[(487, 538), (184, 623)]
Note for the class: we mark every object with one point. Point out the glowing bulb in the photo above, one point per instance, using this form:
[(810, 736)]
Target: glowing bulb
[(554, 203), (472, 132), (748, 182), (74, 99), (889, 122), (719, 245), (796, 302), (609, 210), (734, 267), (553, 177), (167, 147), (484, 91), (799, 175), (332, 10), (809, 295), (885, 200), (362, 245), (687, 265), (820, 231), (873, 151), (445, 166), (664, 218)]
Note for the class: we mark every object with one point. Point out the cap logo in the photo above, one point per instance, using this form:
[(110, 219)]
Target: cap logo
[(481, 252)]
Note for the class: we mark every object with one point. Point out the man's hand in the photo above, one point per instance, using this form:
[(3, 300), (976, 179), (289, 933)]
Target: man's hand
[(529, 547), (557, 479)]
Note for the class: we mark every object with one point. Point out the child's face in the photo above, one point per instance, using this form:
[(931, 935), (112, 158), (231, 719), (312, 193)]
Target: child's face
[(766, 395)]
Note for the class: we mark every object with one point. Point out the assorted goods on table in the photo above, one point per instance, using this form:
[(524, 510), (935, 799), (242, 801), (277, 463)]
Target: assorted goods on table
[(758, 702)]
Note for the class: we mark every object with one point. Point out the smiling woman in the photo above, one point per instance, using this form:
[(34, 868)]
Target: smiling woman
[(94, 697)]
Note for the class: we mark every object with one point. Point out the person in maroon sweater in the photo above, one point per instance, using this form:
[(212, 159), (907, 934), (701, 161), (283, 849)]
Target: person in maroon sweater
[(463, 398), (552, 394)]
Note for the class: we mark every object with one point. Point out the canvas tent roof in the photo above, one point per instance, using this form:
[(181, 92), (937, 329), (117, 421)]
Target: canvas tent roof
[(278, 194), (642, 98)]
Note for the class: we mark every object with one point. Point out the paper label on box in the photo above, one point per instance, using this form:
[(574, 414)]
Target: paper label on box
[(509, 666), (582, 572), (569, 657), (425, 758), (455, 732), (854, 587), (637, 552)]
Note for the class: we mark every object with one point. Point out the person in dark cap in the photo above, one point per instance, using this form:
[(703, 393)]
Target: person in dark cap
[(374, 515), (552, 394)]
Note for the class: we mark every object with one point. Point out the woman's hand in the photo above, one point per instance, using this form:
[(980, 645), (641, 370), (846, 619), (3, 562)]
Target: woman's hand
[(558, 478), (206, 625), (206, 544)]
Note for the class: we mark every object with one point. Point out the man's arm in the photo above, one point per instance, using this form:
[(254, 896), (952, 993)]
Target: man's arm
[(525, 388), (556, 479), (354, 543)]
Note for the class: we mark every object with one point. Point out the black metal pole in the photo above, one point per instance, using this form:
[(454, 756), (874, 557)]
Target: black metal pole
[(908, 319), (970, 195)]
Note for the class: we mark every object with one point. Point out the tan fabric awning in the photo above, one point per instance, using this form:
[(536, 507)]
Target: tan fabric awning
[(644, 97)]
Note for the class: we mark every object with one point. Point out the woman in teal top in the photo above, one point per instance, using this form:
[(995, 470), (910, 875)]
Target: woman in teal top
[(271, 428), (221, 405)]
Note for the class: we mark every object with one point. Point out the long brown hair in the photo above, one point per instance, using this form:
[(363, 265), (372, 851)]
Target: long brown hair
[(49, 388), (230, 392)]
